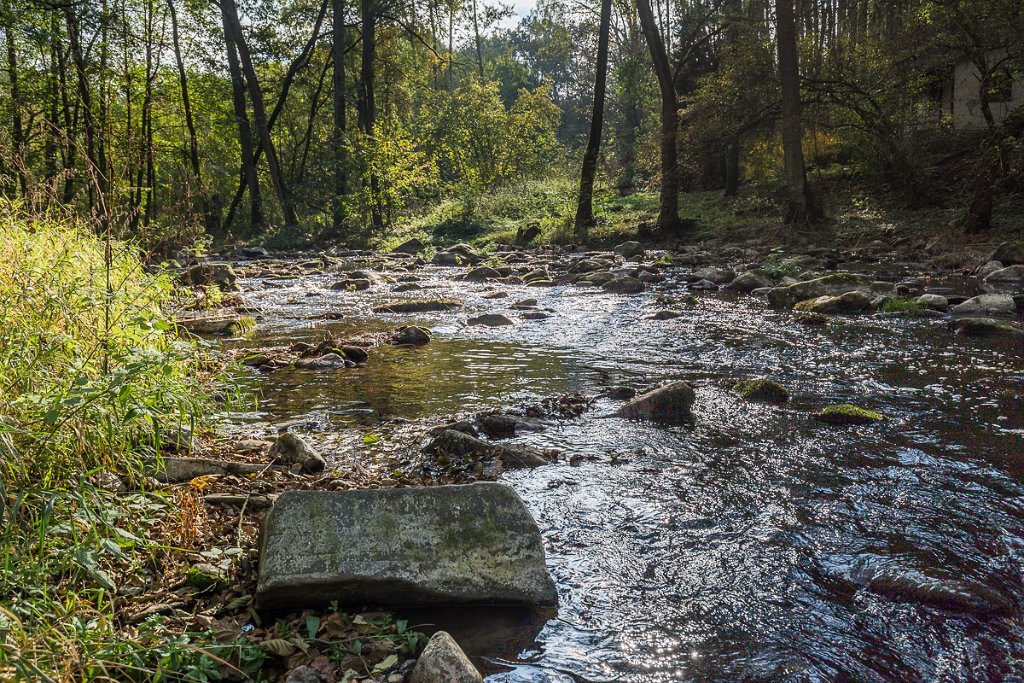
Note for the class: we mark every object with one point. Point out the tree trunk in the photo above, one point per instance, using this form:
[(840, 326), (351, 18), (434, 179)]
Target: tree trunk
[(476, 37), (732, 170), (668, 204), (248, 172), (368, 105), (338, 102), (97, 186), (259, 111), (585, 206), (800, 208), (17, 130)]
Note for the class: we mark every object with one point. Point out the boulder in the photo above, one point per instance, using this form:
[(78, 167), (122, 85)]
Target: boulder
[(443, 661), (988, 268), (665, 315), (458, 255), (458, 444), (849, 302), (629, 249), (761, 391), (719, 276), (291, 449), (829, 285), (669, 404), (934, 302), (1009, 253), (1008, 274), (986, 304), (526, 235), (208, 274), (749, 281), (432, 545), (482, 273), (501, 426), (525, 304), (489, 320), (846, 414), (328, 361), (623, 285), (535, 315), (352, 284), (410, 335), (412, 246)]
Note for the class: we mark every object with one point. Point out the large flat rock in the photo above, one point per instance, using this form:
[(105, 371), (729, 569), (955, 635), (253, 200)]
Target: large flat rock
[(438, 545)]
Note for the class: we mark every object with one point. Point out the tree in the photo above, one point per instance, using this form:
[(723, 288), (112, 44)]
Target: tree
[(668, 203), (799, 207), (338, 119), (585, 205)]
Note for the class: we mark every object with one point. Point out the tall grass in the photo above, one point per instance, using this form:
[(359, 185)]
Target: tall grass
[(91, 377)]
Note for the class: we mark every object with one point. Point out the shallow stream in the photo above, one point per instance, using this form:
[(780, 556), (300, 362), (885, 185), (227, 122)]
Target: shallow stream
[(740, 547)]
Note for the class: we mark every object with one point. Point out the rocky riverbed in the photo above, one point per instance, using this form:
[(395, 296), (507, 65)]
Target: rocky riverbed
[(856, 514)]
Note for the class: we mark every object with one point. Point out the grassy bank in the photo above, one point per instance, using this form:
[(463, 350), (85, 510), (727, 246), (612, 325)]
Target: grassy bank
[(92, 380), (858, 212)]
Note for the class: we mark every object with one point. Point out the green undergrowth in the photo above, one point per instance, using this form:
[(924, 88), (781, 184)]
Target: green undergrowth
[(92, 379)]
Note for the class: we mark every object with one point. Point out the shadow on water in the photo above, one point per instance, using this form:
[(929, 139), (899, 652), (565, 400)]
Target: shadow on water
[(756, 544)]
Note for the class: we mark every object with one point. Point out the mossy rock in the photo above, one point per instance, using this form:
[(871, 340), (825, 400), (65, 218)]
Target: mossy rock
[(242, 327), (846, 414), (204, 577), (761, 390)]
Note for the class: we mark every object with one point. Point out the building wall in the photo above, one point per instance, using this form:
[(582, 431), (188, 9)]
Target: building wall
[(966, 105)]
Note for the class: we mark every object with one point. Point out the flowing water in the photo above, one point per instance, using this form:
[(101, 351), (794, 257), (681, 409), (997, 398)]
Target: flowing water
[(754, 544)]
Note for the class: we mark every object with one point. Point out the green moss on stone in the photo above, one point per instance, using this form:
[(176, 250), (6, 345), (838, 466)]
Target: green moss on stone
[(762, 390), (204, 577), (846, 414)]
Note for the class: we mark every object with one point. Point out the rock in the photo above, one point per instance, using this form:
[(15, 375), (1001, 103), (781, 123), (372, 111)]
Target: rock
[(418, 306), (489, 320), (443, 661), (629, 249), (987, 327), (501, 426), (749, 281), (535, 315), (525, 304), (458, 444), (407, 287), (665, 315), (597, 278), (410, 335), (986, 304), (411, 246), (221, 322), (526, 235), (536, 275), (849, 302), (704, 285), (482, 273), (829, 285), (761, 390), (173, 470), (351, 285), (431, 545), (1009, 274), (650, 278), (496, 295), (252, 252), (1009, 253), (356, 354), (620, 393), (588, 266), (328, 361), (303, 674), (458, 255), (987, 269), (204, 577), (291, 449), (934, 302), (719, 276), (669, 404), (208, 274), (847, 414), (623, 285)]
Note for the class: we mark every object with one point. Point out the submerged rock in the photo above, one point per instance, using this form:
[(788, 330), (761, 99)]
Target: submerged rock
[(443, 661), (433, 545), (418, 306), (291, 449), (761, 390), (846, 414), (666, 315), (489, 320), (328, 361), (410, 335), (668, 404)]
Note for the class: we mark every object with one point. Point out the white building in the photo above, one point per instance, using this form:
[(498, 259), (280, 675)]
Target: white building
[(962, 102)]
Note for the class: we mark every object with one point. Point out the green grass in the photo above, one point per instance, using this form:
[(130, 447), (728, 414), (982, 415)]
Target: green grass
[(902, 305)]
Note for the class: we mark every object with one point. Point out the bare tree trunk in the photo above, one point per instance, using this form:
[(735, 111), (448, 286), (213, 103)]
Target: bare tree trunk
[(585, 205), (248, 172), (800, 208), (476, 36), (17, 130), (338, 120), (668, 204), (259, 111), (97, 186), (368, 105)]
